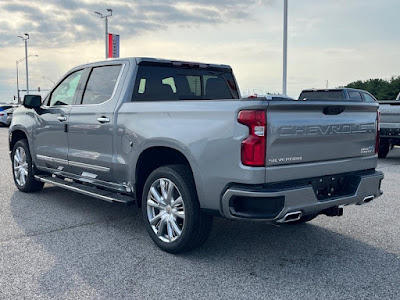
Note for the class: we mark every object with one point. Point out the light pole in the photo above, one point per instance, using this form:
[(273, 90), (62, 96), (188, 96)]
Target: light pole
[(16, 63), (285, 30), (25, 38), (105, 17)]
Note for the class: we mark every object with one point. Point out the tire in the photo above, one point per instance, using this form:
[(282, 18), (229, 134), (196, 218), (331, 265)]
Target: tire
[(304, 219), (23, 168), (383, 150), (170, 200)]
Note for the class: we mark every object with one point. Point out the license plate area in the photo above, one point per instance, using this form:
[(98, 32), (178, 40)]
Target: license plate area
[(329, 187)]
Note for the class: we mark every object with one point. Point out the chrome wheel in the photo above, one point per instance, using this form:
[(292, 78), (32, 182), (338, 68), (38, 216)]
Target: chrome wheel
[(20, 165), (165, 210)]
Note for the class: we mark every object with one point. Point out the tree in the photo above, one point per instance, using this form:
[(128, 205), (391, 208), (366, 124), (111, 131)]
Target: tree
[(382, 89)]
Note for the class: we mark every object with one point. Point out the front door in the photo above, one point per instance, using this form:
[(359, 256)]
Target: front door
[(91, 129), (50, 140)]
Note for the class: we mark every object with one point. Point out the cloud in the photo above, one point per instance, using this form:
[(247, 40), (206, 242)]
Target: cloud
[(53, 24)]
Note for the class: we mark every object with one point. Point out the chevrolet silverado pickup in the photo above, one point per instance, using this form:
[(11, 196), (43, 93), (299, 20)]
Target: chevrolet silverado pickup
[(177, 139)]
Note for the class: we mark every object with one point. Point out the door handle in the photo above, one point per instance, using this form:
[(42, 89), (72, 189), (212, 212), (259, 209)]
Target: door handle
[(62, 118), (103, 120)]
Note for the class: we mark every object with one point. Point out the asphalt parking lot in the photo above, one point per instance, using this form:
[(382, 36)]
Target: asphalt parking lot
[(61, 245)]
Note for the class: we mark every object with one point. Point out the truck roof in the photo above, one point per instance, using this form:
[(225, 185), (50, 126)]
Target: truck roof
[(150, 60), (335, 90)]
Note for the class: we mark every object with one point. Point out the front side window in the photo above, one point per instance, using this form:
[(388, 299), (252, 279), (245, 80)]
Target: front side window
[(65, 92), (158, 83), (101, 84)]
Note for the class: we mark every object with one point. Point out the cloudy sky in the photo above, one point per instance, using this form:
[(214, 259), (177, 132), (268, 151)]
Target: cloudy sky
[(335, 40)]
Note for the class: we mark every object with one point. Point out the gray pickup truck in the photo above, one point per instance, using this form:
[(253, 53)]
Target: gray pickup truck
[(390, 125), (177, 139)]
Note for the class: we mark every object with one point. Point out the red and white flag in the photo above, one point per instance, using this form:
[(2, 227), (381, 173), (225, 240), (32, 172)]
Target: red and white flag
[(113, 45)]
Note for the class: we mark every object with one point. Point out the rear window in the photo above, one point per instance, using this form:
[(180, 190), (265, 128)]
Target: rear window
[(321, 95), (158, 83)]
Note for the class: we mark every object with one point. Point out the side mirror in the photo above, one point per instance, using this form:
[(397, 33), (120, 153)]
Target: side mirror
[(32, 101)]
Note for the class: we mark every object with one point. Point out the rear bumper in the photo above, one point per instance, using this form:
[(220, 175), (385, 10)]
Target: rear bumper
[(288, 197), (390, 134)]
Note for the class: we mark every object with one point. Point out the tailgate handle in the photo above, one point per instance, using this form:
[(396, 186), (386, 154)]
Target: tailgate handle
[(334, 110)]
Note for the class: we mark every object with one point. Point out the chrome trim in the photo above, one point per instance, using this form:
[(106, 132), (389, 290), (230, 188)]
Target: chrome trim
[(62, 118), (87, 166), (103, 120), (72, 163), (78, 190), (120, 188), (285, 219), (89, 175), (52, 159), (366, 200)]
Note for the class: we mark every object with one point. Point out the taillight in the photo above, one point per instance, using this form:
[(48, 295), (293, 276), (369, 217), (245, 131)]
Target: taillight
[(378, 128), (253, 147), (1, 115)]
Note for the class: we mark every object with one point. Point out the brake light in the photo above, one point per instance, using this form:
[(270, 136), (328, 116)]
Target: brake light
[(1, 115), (253, 147), (378, 128)]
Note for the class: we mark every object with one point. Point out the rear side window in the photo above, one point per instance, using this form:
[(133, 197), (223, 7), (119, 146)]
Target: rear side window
[(321, 95), (368, 98), (355, 96), (158, 83), (101, 84)]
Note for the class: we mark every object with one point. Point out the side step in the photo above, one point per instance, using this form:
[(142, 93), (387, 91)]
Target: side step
[(86, 190)]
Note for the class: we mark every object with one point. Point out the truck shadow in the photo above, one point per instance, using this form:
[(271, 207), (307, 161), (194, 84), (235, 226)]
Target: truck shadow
[(89, 246)]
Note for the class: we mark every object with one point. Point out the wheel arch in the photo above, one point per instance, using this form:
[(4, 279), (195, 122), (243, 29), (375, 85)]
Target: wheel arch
[(15, 136), (153, 158)]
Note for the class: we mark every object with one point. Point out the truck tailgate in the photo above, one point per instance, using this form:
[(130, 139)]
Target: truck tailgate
[(319, 131), (390, 114)]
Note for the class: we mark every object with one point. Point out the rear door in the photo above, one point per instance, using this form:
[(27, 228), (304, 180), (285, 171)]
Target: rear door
[(91, 129)]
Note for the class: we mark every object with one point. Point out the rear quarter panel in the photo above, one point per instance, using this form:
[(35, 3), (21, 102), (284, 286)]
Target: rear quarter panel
[(206, 132)]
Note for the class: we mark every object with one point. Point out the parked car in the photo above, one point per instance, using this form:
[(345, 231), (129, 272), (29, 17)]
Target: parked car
[(176, 138), (10, 112), (5, 112), (389, 113), (337, 94), (390, 125)]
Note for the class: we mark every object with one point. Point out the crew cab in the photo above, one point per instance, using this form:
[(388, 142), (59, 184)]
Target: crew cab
[(177, 139)]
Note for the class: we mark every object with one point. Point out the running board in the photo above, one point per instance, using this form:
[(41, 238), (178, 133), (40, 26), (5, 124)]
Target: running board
[(86, 190)]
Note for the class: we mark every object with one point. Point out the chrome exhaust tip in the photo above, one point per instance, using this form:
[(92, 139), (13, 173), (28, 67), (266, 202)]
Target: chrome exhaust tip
[(291, 217), (366, 200)]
